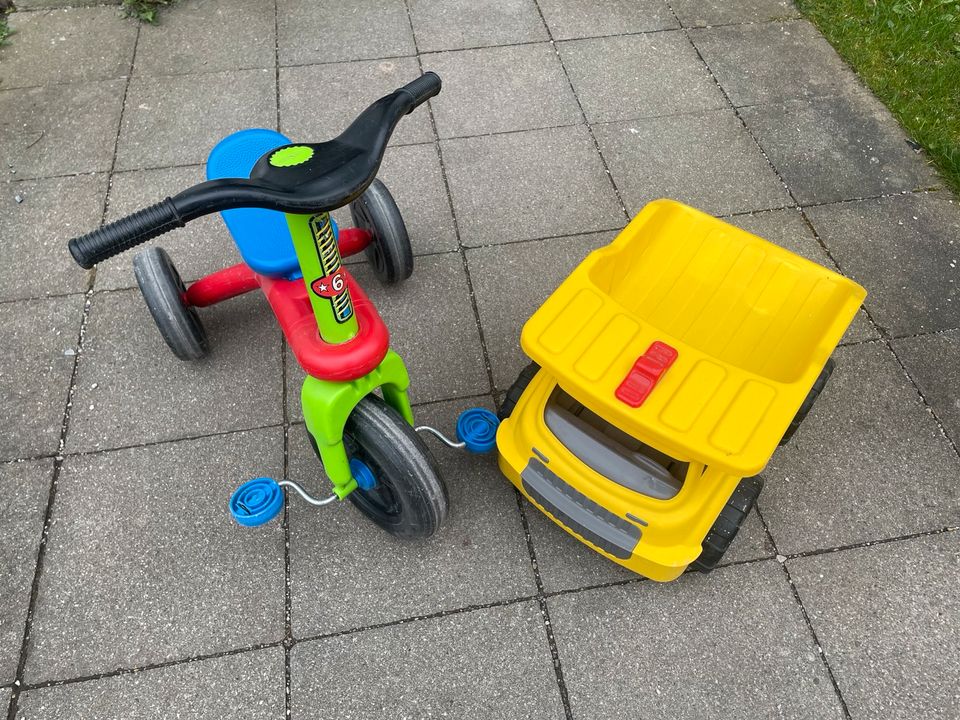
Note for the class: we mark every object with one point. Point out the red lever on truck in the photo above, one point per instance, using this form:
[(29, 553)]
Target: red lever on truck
[(646, 373)]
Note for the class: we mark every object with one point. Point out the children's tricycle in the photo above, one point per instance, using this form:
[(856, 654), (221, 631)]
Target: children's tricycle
[(668, 367), (275, 198)]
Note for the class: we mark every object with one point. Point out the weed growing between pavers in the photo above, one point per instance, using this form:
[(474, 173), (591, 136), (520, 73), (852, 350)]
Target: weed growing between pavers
[(908, 52), (145, 10), (4, 28)]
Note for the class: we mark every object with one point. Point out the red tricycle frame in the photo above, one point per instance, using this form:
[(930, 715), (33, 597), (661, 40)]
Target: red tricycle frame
[(290, 303)]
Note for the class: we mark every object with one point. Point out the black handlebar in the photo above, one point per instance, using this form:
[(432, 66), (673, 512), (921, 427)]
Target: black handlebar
[(423, 88), (125, 233), (331, 175)]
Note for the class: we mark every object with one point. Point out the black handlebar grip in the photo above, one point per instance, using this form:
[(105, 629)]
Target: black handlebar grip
[(423, 88), (125, 233)]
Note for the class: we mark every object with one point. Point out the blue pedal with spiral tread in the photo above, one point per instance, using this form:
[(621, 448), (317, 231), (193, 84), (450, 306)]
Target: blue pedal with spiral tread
[(256, 502), (477, 429)]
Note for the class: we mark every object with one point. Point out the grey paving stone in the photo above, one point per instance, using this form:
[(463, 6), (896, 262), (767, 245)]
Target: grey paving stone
[(706, 160), (46, 4), (313, 32), (59, 130), (491, 663), (565, 563), (209, 35), (456, 24), (131, 389), (839, 148), (731, 644), (868, 463), (528, 185), (346, 573), (144, 564), (697, 13), (904, 251), (177, 120), (35, 372), (484, 92), (432, 326), (54, 47), (639, 76), (23, 502), (248, 686), (5, 694), (788, 229), (318, 102), (888, 619), (511, 281), (573, 19), (412, 174), (933, 361), (806, 65), (201, 247), (36, 231)]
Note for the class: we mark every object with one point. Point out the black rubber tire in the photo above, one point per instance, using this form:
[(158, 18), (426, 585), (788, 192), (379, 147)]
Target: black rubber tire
[(390, 254), (163, 290), (808, 401), (728, 523), (410, 500), (516, 390)]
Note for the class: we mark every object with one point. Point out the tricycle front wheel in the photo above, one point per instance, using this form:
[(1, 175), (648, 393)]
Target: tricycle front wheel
[(404, 492)]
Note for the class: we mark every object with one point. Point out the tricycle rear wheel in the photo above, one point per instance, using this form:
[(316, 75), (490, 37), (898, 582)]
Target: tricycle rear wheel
[(727, 524), (389, 252), (164, 293), (409, 498)]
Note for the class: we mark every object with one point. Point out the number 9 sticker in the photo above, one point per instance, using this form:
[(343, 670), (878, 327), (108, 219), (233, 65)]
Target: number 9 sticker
[(329, 286)]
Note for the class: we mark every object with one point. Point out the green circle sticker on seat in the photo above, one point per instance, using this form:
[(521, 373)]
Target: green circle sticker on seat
[(290, 156)]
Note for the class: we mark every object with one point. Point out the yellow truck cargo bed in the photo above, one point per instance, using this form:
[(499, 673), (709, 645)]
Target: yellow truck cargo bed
[(753, 325)]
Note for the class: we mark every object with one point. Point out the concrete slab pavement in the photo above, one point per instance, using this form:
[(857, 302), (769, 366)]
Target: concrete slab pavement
[(559, 120)]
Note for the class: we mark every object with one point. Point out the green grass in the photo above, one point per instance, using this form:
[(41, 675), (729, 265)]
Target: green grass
[(908, 52), (4, 29), (146, 10)]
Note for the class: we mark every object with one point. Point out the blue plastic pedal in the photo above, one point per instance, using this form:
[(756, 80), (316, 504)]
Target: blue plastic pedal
[(477, 429), (256, 502)]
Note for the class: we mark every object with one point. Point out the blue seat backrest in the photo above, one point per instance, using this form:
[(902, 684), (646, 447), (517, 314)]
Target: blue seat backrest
[(262, 236)]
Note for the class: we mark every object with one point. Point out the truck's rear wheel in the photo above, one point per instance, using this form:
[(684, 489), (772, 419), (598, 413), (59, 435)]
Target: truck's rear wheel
[(728, 523), (808, 401), (516, 390)]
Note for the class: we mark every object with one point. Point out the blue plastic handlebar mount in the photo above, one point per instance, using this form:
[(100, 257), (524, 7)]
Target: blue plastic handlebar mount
[(477, 430), (256, 502)]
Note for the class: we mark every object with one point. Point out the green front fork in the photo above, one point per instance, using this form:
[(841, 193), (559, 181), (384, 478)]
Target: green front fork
[(327, 404)]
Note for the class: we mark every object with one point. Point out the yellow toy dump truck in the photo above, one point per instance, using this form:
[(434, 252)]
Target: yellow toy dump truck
[(667, 369)]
